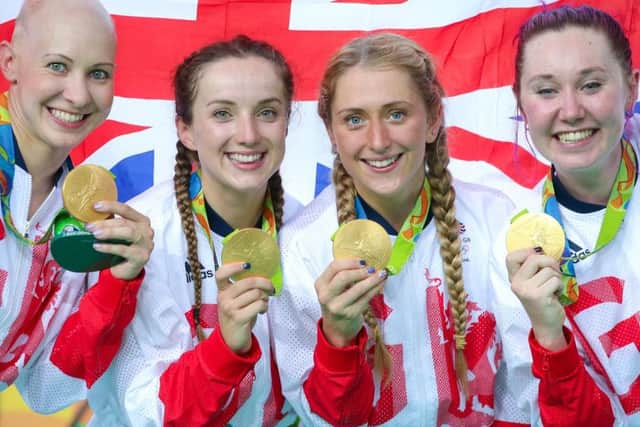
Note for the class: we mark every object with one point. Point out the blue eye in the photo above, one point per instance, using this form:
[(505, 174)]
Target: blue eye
[(592, 86), (545, 91), (268, 114), (354, 121), (100, 75), (397, 115), (222, 115), (57, 67)]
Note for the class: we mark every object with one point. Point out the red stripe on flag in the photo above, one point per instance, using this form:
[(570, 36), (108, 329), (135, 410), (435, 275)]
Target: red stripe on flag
[(96, 139), (472, 54), (513, 160)]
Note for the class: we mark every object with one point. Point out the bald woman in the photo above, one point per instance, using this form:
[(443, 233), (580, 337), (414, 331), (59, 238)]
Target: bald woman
[(58, 330)]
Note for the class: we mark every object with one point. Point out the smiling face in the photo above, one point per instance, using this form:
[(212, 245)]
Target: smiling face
[(574, 94), (239, 123), (379, 127), (60, 63)]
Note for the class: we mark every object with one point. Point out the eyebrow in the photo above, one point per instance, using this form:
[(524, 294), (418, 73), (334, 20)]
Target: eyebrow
[(68, 59), (585, 72), (385, 106), (229, 102)]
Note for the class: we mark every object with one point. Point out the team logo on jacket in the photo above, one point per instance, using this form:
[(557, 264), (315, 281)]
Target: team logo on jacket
[(204, 273)]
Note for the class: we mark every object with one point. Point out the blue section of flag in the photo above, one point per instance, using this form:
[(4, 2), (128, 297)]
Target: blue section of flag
[(134, 174), (636, 108), (323, 178)]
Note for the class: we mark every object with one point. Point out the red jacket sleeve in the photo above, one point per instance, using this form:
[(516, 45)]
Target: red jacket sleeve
[(91, 337), (200, 388), (340, 386), (568, 395)]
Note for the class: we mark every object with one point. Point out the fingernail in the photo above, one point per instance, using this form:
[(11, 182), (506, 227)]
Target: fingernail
[(273, 291), (98, 233), (363, 262), (90, 227), (371, 270), (98, 205), (538, 250), (246, 266), (383, 273)]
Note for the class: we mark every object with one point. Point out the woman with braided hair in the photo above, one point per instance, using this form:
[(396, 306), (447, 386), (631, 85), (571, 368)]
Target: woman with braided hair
[(434, 348), (198, 352)]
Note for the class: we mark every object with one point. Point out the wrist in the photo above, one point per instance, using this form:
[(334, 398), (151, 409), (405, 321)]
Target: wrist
[(550, 339)]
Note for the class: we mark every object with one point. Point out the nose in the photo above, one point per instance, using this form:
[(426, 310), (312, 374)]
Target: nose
[(379, 136), (76, 90), (571, 110), (247, 129)]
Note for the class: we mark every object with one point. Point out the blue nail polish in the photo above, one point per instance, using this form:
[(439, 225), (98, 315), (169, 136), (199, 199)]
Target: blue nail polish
[(246, 265), (383, 273), (363, 262), (371, 270)]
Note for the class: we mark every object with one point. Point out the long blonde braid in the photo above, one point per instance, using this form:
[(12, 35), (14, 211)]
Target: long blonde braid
[(444, 212), (345, 205), (181, 179)]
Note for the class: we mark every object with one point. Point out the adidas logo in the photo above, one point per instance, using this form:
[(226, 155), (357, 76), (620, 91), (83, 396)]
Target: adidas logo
[(204, 274), (577, 253)]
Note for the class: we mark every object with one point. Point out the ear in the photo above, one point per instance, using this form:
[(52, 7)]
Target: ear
[(332, 138), (7, 62), (185, 134), (435, 127), (633, 91)]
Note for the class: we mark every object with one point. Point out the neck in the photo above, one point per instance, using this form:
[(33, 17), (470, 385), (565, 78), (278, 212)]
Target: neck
[(42, 164), (394, 209), (592, 185), (239, 210)]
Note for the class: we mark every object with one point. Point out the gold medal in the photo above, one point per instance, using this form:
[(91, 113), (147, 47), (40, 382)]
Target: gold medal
[(255, 246), (83, 187), (536, 229), (363, 239)]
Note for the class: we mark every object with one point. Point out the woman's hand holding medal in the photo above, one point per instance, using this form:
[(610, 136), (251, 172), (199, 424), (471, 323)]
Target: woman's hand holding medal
[(124, 223), (535, 243), (250, 258), (95, 223), (361, 249)]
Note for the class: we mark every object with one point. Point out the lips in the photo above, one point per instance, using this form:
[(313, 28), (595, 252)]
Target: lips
[(382, 163), (245, 158), (574, 136)]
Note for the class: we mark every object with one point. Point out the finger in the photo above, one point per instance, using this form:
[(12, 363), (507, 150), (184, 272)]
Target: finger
[(244, 299), (249, 312), (134, 254), (361, 289), (351, 301), (515, 259), (224, 273), (339, 265), (552, 287), (120, 209), (250, 283), (535, 263)]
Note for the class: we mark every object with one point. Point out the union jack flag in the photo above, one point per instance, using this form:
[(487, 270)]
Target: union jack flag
[(473, 43)]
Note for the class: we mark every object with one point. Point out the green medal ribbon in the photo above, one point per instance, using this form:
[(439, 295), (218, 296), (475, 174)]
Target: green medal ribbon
[(198, 206), (410, 230), (613, 217), (7, 171)]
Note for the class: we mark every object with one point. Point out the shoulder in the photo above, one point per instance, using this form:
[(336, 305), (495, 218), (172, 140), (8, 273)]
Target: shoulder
[(158, 203), (317, 218)]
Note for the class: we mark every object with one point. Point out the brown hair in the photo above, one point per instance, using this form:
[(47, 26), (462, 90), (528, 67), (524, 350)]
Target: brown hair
[(391, 51), (185, 82), (556, 19)]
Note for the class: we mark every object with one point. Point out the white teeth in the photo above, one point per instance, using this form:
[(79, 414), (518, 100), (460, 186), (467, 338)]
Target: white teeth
[(382, 163), (66, 117), (575, 136), (245, 158)]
